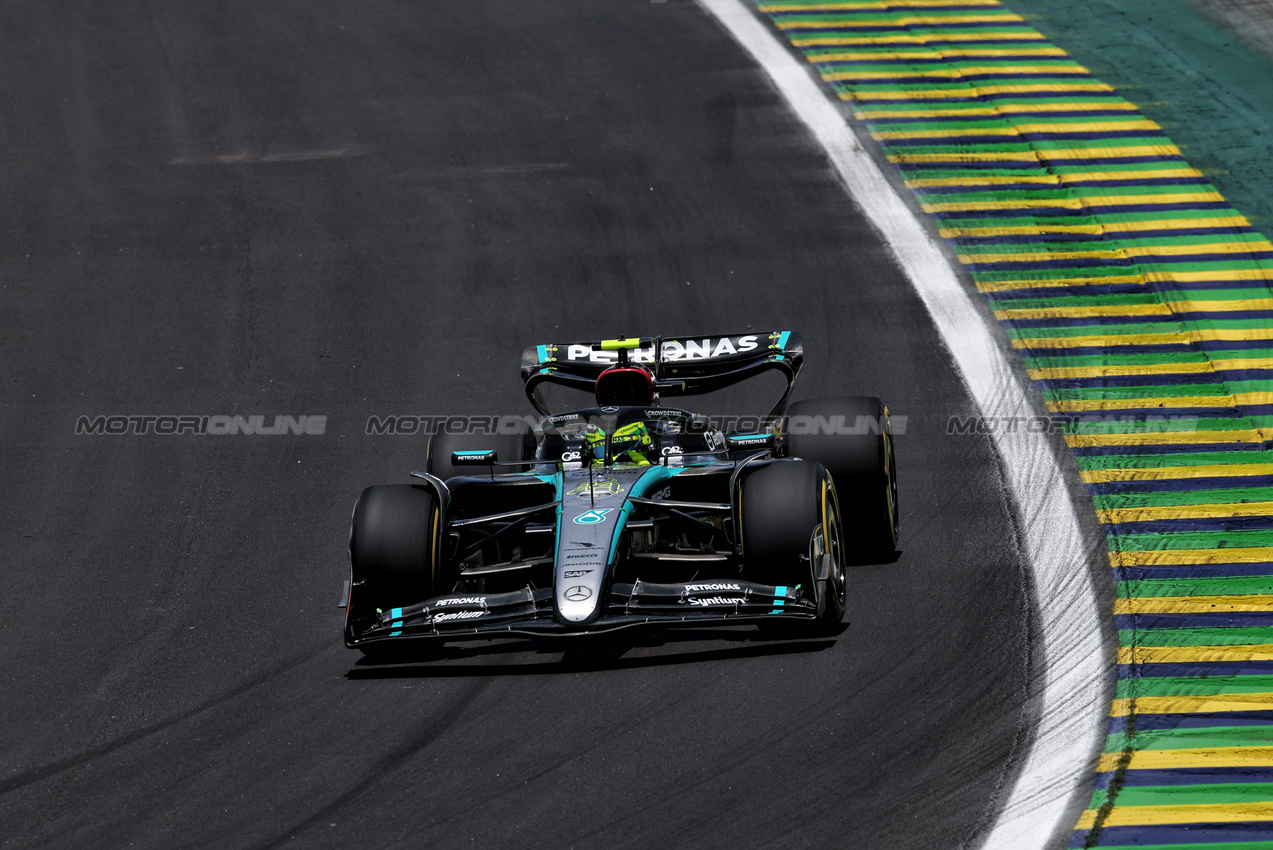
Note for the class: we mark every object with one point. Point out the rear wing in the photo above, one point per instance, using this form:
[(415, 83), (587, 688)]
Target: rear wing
[(681, 365)]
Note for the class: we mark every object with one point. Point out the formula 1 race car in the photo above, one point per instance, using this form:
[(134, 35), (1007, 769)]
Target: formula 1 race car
[(629, 513)]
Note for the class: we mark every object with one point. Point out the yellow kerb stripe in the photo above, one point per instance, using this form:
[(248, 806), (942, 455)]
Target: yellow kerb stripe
[(1143, 277), (1107, 371), (1013, 130), (1193, 704), (1002, 109), (1219, 274), (1168, 473), (1180, 813), (1243, 363), (1039, 156), (1227, 249), (1088, 312), (1191, 757), (974, 91), (1150, 369), (1170, 512), (1053, 179), (1044, 283), (1169, 557), (1151, 402), (1075, 203), (1103, 227), (1108, 340), (948, 53), (1200, 654), (953, 73), (904, 21), (929, 39), (840, 7), (1165, 438)]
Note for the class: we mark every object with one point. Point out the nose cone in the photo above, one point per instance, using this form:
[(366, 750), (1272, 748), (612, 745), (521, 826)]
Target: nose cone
[(592, 506), (583, 548), (578, 602)]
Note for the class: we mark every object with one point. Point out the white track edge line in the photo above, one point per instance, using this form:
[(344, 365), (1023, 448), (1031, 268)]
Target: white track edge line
[(1073, 701)]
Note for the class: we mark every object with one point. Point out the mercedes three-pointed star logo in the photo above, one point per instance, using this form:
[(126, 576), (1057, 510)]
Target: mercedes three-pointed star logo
[(578, 593)]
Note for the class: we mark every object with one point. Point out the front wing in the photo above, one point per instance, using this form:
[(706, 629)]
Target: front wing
[(529, 613)]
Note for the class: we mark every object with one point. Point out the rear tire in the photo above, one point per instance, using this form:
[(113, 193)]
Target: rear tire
[(391, 552), (862, 464)]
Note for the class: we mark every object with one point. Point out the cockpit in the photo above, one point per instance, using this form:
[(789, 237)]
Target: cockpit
[(627, 427), (629, 434)]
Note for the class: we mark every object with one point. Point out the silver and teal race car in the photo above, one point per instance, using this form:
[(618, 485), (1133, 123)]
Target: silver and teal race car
[(629, 513)]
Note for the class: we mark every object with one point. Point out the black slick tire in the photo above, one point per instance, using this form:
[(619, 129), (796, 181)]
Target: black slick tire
[(789, 520), (391, 554), (852, 437)]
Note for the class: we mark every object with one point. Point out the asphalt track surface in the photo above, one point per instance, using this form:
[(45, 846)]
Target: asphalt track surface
[(369, 209)]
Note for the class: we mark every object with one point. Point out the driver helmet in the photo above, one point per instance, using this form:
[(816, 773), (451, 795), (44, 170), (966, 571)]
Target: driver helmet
[(631, 443)]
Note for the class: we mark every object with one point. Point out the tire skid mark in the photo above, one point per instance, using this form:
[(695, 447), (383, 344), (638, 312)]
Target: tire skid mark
[(39, 774), (430, 729)]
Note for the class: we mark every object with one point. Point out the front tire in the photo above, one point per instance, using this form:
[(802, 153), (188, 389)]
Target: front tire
[(391, 553), (791, 534)]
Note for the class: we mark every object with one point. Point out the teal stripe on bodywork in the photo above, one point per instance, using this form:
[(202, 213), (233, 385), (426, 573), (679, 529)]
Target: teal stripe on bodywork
[(653, 477)]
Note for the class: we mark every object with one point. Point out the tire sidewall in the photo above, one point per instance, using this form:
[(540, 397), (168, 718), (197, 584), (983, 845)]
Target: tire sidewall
[(392, 543), (861, 461)]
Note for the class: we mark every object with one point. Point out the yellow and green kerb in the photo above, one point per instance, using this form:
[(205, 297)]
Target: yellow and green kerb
[(1140, 302)]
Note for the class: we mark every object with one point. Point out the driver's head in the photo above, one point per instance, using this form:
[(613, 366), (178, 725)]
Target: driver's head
[(625, 385), (631, 443)]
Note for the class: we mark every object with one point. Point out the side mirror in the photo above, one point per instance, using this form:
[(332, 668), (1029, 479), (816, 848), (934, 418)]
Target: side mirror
[(743, 442), (481, 457)]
